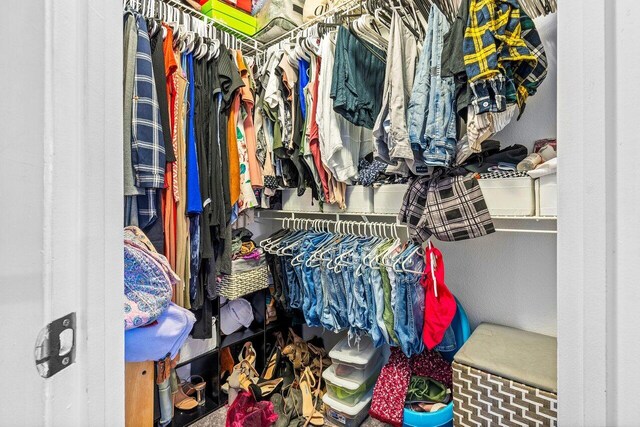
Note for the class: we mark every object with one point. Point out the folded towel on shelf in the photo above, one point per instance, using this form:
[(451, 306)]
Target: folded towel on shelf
[(162, 337), (547, 168)]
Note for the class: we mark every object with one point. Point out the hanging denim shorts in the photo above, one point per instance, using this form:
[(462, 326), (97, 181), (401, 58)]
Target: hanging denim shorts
[(409, 310)]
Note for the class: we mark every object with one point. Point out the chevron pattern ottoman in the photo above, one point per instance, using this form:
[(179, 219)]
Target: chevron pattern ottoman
[(505, 377)]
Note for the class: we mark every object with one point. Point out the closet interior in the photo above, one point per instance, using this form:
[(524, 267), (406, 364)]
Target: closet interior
[(297, 174)]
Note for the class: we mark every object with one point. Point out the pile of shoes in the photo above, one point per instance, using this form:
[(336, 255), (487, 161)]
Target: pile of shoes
[(291, 381)]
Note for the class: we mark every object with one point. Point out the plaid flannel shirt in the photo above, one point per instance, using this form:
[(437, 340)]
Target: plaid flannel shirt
[(527, 77), (494, 49), (147, 140)]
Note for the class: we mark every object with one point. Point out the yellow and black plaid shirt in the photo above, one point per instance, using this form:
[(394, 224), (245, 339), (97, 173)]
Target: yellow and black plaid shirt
[(494, 50)]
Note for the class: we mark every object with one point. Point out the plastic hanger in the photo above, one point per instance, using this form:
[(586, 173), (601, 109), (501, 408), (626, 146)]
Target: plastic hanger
[(408, 258), (294, 242), (433, 262)]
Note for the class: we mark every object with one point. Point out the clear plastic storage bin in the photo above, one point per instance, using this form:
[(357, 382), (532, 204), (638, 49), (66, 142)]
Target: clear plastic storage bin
[(348, 391), (348, 416), (352, 362)]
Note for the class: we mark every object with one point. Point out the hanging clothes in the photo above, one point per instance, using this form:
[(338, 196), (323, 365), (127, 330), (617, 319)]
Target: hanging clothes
[(247, 97), (171, 194), (340, 282), (147, 141), (431, 112), (183, 239), (357, 78), (392, 144)]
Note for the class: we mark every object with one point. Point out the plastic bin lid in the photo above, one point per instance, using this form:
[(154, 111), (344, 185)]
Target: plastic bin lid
[(351, 411), (356, 354), (329, 374)]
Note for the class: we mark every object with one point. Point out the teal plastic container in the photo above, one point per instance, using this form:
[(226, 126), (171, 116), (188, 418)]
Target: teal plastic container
[(443, 417)]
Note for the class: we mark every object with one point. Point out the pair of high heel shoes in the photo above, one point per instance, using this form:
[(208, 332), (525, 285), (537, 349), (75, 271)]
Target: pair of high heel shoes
[(189, 394)]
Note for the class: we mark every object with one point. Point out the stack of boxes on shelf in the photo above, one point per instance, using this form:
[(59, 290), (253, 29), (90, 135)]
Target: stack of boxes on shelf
[(350, 380), (234, 14)]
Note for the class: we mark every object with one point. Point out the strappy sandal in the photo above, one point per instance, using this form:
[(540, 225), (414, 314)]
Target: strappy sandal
[(309, 411), (273, 362), (261, 390), (195, 385), (272, 313), (248, 354), (279, 339), (232, 385), (320, 360), (181, 400), (297, 351)]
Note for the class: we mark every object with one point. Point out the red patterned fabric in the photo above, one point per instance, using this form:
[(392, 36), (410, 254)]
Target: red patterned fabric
[(431, 364), (438, 310), (390, 391), (246, 412)]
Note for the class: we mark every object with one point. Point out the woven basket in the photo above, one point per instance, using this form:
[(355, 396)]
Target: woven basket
[(236, 285), (484, 399)]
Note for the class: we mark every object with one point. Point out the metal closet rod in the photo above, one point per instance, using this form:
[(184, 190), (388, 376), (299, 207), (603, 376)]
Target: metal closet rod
[(365, 220)]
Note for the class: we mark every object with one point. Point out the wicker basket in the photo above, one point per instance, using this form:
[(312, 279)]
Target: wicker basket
[(483, 399), (236, 285)]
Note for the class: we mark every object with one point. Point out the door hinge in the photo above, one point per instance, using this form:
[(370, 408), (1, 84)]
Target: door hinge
[(55, 346)]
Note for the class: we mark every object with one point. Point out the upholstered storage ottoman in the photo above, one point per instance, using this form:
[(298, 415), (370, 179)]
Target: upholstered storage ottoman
[(505, 377)]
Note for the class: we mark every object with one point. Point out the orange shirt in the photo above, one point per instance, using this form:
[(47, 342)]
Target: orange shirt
[(232, 150)]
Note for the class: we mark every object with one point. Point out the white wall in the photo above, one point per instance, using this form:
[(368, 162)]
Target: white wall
[(505, 278)]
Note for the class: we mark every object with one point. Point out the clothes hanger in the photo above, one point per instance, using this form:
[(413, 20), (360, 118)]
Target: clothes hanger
[(371, 259), (162, 18), (432, 265), (340, 237), (214, 49), (408, 258), (391, 254), (314, 259), (292, 243), (363, 262), (270, 244), (382, 257)]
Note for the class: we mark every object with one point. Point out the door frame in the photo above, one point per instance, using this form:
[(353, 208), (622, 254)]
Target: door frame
[(62, 144)]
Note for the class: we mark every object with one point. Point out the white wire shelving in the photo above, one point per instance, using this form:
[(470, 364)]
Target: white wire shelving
[(505, 224)]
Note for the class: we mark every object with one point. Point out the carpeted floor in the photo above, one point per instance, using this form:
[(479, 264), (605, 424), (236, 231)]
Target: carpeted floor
[(217, 419)]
